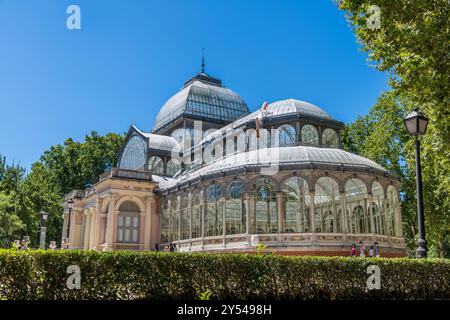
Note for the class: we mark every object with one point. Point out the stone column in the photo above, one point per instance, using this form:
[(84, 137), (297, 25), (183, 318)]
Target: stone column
[(110, 223), (92, 234), (87, 229), (155, 221), (179, 218), (97, 231)]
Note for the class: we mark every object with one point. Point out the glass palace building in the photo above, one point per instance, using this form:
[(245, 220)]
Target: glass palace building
[(214, 177)]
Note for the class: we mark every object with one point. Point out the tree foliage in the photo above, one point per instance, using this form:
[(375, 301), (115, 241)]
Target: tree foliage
[(413, 46), (62, 168)]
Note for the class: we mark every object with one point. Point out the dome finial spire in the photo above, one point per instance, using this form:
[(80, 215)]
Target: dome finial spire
[(203, 60)]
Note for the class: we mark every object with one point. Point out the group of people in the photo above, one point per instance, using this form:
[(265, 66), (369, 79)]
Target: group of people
[(172, 247), (23, 245), (374, 250)]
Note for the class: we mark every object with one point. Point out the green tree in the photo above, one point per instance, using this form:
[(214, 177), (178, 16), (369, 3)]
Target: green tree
[(412, 45)]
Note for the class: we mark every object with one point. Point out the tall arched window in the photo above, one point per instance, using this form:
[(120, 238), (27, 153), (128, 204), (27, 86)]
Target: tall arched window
[(173, 166), (128, 223), (196, 216), (184, 218), (377, 208), (133, 156), (296, 204), (392, 210), (326, 206), (156, 165), (355, 199), (235, 209), (310, 136), (265, 218), (330, 138), (286, 135), (164, 222), (214, 211)]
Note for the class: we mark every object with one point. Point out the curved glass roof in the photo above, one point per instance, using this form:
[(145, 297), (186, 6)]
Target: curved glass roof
[(279, 156), (296, 106), (204, 97)]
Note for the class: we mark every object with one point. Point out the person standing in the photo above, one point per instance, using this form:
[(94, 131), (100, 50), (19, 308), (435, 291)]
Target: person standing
[(156, 247), (362, 249), (371, 252), (353, 252), (377, 250)]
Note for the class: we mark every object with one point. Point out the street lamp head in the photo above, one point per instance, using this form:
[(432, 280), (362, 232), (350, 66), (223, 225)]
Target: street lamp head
[(44, 216), (70, 203), (416, 123)]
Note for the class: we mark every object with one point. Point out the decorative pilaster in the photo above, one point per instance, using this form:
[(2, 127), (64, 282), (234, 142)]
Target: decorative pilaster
[(110, 222)]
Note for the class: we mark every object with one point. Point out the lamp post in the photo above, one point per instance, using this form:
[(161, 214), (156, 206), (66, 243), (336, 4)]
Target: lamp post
[(70, 206), (44, 216), (416, 124)]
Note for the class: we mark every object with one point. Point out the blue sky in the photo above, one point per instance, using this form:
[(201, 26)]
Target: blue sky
[(131, 56)]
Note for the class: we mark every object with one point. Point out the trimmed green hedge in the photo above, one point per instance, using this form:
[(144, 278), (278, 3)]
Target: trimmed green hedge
[(148, 275)]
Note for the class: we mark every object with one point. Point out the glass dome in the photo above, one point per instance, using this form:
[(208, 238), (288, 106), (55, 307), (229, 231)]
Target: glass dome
[(202, 97)]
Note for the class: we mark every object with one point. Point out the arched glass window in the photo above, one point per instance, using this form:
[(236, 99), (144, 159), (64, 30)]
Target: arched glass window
[(377, 208), (355, 198), (330, 138), (133, 156), (184, 218), (164, 222), (173, 166), (296, 202), (128, 223), (287, 135), (196, 216), (327, 205), (392, 210), (214, 211), (156, 165), (265, 206), (235, 218), (310, 136)]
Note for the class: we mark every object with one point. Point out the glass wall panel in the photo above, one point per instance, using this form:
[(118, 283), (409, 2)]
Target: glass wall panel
[(164, 222), (330, 138), (173, 166), (296, 203), (196, 216), (235, 209), (356, 198), (327, 206), (156, 165), (287, 135), (133, 156), (310, 136), (184, 218), (265, 218), (174, 220), (392, 210), (214, 211), (378, 212)]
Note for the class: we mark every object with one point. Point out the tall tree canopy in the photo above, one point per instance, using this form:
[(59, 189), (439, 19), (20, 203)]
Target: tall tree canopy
[(62, 168), (412, 44)]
